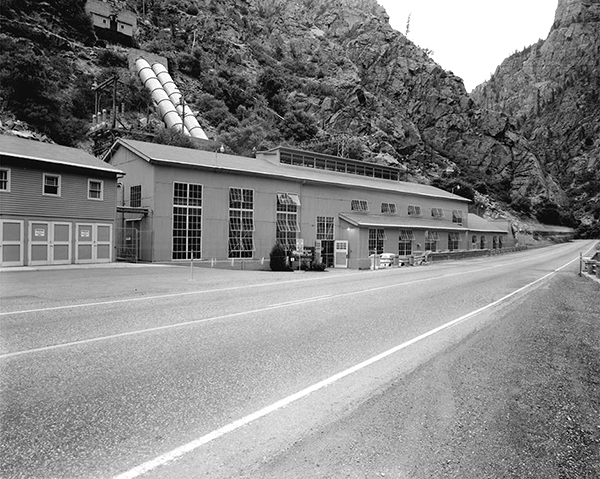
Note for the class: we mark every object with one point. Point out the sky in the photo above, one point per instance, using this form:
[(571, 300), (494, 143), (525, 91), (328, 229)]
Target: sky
[(472, 37)]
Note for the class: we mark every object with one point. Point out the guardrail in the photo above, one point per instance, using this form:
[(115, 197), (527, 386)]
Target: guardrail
[(590, 265)]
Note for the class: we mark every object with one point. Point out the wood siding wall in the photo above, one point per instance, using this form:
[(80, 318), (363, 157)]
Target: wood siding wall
[(26, 198)]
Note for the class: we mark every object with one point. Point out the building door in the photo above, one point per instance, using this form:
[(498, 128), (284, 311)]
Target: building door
[(327, 252), (94, 243), (49, 243), (11, 243), (341, 254), (60, 246)]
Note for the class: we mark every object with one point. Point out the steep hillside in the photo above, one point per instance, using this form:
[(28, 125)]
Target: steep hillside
[(325, 75), (552, 91)]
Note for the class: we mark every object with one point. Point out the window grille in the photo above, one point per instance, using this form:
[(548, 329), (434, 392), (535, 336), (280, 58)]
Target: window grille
[(437, 212), (51, 185), (389, 208), (414, 210), (405, 242), (241, 223), (359, 205), (453, 240), (95, 190), (287, 227), (325, 227), (135, 196), (288, 199), (376, 240), (457, 216), (187, 221), (4, 179), (431, 239)]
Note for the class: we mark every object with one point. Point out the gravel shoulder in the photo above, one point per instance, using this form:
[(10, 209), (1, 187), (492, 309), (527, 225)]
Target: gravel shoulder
[(518, 398)]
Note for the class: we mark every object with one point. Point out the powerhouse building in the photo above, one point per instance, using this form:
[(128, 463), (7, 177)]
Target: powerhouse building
[(177, 204)]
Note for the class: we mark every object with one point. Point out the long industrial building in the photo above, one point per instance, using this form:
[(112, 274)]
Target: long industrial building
[(177, 204)]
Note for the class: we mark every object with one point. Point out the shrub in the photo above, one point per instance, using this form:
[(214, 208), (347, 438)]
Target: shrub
[(112, 58)]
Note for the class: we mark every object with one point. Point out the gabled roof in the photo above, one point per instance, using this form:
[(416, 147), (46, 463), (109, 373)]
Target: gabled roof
[(215, 161), (477, 224), (50, 153), (391, 221)]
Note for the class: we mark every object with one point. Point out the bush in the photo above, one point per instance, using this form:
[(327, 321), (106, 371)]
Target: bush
[(278, 258), (172, 137), (112, 58)]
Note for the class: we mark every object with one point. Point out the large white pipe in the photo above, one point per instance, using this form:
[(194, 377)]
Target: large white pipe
[(189, 120), (166, 109)]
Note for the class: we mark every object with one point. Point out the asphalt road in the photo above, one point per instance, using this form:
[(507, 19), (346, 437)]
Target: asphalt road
[(144, 370)]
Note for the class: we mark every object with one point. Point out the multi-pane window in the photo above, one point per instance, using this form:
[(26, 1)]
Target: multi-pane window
[(414, 210), (405, 241), (5, 179), (494, 242), (388, 208), (437, 212), (95, 190), (359, 205), (376, 240), (431, 239), (500, 242), (325, 226), (187, 221), (287, 228), (288, 199), (51, 185), (482, 242), (453, 240), (457, 217), (241, 223), (135, 196), (474, 242)]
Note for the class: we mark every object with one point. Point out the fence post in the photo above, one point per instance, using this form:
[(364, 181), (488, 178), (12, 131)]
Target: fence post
[(580, 262), (192, 267)]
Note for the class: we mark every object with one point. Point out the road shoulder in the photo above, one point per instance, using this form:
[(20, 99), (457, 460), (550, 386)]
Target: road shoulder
[(519, 398)]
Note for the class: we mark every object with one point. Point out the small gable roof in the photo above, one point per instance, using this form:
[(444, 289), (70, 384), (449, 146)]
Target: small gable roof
[(216, 161), (50, 153)]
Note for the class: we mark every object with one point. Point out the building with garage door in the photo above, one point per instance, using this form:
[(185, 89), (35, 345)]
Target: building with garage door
[(215, 206), (57, 204)]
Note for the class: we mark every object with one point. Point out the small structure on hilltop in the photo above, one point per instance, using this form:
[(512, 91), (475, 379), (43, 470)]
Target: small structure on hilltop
[(111, 23)]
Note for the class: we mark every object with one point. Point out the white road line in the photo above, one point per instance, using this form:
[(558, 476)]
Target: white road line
[(219, 290), (231, 315), (214, 318), (159, 328), (165, 296), (193, 445)]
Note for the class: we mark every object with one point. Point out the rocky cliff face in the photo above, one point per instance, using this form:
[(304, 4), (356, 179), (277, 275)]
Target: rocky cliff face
[(551, 91), (325, 75), (374, 94)]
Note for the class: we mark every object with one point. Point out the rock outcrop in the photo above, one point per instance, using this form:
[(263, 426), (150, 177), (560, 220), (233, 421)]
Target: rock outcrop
[(551, 91), (333, 76)]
